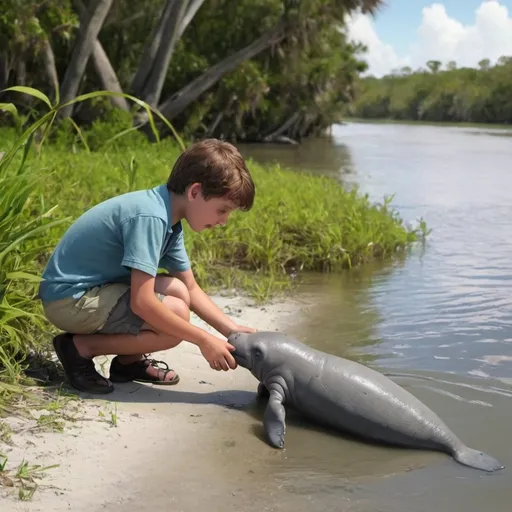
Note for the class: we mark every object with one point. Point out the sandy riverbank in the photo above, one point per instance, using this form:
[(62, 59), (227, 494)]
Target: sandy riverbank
[(164, 431)]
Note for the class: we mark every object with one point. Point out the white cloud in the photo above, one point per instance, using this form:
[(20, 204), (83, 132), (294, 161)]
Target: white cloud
[(381, 57), (440, 37)]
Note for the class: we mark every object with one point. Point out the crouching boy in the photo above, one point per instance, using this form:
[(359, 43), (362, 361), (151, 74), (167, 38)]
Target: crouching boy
[(101, 286)]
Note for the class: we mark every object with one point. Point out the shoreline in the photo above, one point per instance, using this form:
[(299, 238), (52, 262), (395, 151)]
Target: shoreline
[(414, 122), (117, 436)]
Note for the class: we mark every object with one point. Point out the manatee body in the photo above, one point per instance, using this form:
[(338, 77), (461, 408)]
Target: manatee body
[(345, 395)]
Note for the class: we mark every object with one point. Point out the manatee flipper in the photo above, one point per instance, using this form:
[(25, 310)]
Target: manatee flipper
[(476, 459), (262, 391), (274, 419)]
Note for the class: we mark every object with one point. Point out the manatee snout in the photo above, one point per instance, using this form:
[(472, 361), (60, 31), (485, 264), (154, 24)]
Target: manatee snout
[(240, 340)]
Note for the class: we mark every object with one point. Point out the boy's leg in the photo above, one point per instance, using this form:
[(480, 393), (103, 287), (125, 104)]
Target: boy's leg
[(128, 337), (131, 347), (171, 288), (124, 334)]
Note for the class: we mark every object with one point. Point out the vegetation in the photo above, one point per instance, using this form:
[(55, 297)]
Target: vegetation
[(244, 70), (24, 478), (272, 70), (254, 252), (436, 94)]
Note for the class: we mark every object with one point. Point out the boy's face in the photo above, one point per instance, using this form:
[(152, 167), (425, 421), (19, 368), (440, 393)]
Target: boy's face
[(207, 213)]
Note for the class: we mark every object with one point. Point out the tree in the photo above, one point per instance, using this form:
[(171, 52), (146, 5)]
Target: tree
[(84, 44), (504, 60), (485, 64), (295, 13), (461, 95), (434, 66), (212, 67), (106, 74)]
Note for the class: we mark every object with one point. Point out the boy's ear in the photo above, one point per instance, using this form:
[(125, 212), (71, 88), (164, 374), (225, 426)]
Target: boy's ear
[(194, 190)]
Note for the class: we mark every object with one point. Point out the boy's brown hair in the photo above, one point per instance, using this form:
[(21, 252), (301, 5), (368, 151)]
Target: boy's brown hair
[(220, 169)]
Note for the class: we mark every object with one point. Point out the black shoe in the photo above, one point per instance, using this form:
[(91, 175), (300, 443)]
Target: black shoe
[(79, 370)]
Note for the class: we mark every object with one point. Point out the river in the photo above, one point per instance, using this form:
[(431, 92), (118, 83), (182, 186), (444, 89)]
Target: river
[(439, 322)]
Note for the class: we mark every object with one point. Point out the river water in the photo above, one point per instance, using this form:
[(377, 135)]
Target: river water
[(439, 322)]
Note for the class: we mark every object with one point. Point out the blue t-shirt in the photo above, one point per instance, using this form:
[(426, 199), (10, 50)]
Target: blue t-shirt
[(133, 230)]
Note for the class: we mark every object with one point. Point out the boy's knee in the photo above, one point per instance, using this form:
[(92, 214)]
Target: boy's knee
[(182, 292), (173, 287), (178, 306)]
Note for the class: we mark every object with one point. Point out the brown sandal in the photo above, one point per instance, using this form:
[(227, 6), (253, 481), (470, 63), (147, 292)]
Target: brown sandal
[(137, 372)]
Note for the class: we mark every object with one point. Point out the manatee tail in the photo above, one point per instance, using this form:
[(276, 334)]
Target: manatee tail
[(476, 459)]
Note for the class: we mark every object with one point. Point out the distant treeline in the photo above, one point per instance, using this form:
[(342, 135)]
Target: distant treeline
[(452, 94)]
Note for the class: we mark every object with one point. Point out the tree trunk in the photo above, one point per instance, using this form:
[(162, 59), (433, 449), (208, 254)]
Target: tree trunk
[(150, 50), (150, 77), (154, 84), (192, 9), (4, 72), (188, 94), (282, 129), (107, 76), (50, 68), (103, 67), (21, 71), (84, 44)]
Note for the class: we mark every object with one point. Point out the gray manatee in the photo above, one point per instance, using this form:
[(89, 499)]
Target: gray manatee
[(345, 395)]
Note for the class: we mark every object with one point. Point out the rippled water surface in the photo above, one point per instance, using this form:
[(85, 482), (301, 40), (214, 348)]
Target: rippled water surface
[(439, 322), (448, 306)]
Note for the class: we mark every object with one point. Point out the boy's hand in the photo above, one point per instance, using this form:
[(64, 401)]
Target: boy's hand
[(218, 353)]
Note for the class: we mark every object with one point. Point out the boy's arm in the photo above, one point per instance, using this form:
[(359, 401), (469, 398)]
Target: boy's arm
[(206, 309), (145, 304)]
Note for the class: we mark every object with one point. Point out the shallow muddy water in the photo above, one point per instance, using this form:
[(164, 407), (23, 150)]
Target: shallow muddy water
[(438, 322), (444, 312)]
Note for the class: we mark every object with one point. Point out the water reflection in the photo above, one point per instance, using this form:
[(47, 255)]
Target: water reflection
[(326, 155), (447, 308), (338, 315), (439, 322)]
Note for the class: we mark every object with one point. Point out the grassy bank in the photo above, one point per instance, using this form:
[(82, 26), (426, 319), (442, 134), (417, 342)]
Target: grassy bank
[(298, 222)]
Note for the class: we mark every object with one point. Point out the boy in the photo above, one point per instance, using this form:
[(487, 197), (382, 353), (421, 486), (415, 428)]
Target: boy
[(101, 286)]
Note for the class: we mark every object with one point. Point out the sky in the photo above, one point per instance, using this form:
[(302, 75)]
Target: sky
[(411, 32)]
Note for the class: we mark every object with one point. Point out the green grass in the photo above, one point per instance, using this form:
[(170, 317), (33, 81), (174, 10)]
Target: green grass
[(24, 478), (298, 221)]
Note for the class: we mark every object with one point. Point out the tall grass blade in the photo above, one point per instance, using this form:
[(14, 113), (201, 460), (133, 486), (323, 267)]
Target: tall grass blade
[(30, 91), (11, 108)]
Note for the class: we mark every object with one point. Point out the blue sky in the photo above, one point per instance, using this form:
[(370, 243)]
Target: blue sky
[(407, 32)]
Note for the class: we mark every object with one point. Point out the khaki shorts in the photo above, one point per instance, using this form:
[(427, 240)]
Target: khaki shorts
[(102, 309)]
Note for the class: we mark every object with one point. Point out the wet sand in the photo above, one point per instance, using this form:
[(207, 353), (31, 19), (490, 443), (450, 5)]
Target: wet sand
[(199, 446), (165, 436)]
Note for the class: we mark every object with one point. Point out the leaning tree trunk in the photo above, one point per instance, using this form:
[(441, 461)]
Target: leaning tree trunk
[(188, 94), (153, 87), (84, 44), (149, 53), (106, 74), (4, 71), (50, 67), (149, 79), (274, 136)]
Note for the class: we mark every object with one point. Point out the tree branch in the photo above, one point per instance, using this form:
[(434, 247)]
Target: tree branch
[(188, 94)]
